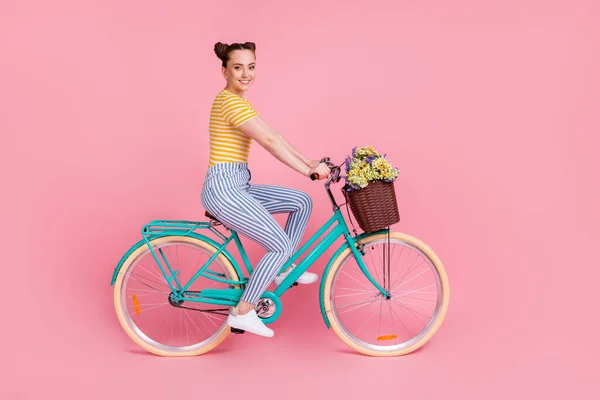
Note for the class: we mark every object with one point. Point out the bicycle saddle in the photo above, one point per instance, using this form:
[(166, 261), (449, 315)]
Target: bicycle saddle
[(209, 215)]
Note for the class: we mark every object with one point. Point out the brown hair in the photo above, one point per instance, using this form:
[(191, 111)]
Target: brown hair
[(222, 50)]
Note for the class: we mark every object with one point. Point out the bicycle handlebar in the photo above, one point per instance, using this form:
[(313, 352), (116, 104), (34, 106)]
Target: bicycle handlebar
[(334, 169), (333, 177)]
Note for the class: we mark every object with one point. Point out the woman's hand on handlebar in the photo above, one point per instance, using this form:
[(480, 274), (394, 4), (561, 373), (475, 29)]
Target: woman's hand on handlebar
[(320, 171), (313, 163)]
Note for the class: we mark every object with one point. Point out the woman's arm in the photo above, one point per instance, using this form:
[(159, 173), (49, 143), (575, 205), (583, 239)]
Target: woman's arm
[(310, 163), (275, 144)]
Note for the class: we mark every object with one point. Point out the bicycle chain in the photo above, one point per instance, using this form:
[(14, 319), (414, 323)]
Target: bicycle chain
[(208, 311), (213, 311)]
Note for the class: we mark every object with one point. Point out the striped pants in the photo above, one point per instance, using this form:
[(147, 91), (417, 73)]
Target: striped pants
[(247, 208)]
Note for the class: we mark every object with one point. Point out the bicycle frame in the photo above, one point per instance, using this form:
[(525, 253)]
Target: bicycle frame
[(323, 239)]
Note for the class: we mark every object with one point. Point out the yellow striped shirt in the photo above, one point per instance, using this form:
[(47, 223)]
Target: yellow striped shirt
[(227, 142)]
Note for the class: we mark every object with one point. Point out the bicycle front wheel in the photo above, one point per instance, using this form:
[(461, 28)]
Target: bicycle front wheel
[(375, 325), (149, 313)]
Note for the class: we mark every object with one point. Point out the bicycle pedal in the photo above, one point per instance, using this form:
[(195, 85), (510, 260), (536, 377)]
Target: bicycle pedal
[(237, 331)]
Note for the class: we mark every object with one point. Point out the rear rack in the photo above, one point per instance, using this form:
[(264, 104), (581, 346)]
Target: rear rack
[(177, 227)]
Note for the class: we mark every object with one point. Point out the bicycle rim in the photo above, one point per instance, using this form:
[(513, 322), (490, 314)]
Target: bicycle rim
[(148, 313), (372, 324)]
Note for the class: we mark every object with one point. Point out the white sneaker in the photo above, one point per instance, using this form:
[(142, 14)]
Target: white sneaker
[(305, 278), (250, 323)]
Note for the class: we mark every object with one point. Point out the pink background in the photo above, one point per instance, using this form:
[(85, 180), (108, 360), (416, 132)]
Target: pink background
[(488, 108)]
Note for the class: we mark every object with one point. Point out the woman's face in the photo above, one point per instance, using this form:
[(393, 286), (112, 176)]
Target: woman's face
[(240, 71)]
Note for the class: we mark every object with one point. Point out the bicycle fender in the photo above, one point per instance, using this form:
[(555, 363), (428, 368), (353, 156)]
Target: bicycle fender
[(339, 251), (142, 242)]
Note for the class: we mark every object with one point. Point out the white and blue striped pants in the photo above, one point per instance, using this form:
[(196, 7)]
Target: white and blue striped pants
[(247, 208)]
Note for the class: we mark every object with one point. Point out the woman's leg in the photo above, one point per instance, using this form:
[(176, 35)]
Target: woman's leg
[(279, 199), (240, 211)]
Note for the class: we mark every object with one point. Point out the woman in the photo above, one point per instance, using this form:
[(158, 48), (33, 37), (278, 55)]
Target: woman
[(244, 207)]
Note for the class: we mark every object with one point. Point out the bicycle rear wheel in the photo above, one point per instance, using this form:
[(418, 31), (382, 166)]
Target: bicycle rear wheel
[(372, 324), (151, 317)]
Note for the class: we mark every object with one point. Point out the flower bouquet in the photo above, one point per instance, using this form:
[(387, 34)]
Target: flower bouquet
[(369, 189)]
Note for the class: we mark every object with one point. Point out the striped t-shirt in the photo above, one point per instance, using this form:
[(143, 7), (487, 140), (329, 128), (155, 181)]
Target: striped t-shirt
[(227, 142)]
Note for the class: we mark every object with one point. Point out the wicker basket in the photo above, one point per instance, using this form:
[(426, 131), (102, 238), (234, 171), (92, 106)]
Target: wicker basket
[(374, 206)]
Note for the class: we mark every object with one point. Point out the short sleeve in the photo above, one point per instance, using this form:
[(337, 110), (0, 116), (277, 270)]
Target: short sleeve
[(236, 111)]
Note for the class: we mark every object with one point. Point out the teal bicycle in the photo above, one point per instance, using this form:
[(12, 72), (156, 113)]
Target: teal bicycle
[(383, 293)]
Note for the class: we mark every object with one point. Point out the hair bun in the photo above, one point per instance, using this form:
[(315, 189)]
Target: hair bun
[(221, 50)]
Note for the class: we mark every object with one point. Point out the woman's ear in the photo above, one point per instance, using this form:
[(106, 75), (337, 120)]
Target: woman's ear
[(224, 71)]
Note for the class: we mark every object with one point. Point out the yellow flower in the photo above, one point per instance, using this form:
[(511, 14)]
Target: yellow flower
[(367, 165)]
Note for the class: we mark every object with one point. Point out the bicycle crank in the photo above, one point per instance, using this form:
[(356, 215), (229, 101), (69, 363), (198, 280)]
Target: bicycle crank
[(265, 308)]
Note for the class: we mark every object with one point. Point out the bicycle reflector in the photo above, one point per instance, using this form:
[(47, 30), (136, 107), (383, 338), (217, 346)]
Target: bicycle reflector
[(136, 304), (387, 337)]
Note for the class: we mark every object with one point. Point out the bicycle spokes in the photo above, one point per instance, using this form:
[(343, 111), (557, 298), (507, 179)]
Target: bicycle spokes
[(394, 321), (163, 317)]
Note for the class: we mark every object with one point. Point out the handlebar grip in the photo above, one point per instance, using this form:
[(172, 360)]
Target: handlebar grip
[(314, 176)]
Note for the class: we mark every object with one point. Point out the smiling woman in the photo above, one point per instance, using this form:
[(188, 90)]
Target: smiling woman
[(228, 195), (239, 76)]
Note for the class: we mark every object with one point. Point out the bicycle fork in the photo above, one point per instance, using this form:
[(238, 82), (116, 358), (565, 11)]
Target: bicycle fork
[(358, 255)]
